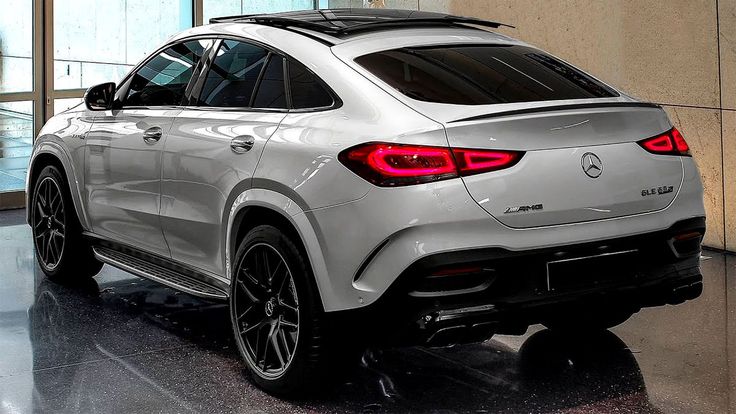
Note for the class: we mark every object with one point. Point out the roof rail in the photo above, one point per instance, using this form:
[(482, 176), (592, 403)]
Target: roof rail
[(340, 22)]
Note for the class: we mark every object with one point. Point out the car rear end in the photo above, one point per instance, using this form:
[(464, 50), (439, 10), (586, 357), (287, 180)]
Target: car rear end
[(553, 192)]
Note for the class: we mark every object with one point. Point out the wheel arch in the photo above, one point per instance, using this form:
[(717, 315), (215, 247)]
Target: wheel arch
[(49, 153), (257, 206)]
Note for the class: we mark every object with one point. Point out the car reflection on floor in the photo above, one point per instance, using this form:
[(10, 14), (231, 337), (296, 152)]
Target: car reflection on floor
[(123, 344), (114, 326)]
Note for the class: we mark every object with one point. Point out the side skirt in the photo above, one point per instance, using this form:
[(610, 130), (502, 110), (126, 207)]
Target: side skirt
[(158, 269)]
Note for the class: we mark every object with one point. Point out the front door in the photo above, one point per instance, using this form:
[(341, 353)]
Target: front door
[(123, 154)]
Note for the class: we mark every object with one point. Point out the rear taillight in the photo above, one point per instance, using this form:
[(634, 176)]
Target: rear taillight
[(386, 164), (669, 143), (470, 161)]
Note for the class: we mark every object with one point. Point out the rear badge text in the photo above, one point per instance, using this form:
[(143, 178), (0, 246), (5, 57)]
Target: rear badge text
[(657, 190), (523, 209)]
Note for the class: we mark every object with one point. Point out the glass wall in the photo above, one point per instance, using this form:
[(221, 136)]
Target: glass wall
[(16, 140), (16, 77), (219, 8), (103, 43), (16, 46), (92, 41)]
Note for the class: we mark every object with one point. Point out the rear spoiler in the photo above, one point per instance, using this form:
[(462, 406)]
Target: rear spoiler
[(558, 108)]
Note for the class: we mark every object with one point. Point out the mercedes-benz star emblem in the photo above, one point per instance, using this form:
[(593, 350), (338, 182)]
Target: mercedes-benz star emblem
[(592, 165)]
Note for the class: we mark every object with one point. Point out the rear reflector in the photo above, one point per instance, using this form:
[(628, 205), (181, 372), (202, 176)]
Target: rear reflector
[(386, 164), (670, 143)]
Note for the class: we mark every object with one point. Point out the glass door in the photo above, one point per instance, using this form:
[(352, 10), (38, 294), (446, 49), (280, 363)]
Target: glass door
[(20, 94), (51, 51), (104, 42)]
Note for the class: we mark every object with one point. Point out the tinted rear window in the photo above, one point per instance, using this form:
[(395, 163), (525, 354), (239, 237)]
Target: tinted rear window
[(478, 75)]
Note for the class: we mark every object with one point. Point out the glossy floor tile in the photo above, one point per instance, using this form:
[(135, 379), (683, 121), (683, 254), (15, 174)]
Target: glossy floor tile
[(124, 344)]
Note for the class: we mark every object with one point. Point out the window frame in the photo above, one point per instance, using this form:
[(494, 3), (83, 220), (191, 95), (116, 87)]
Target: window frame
[(194, 95), (257, 86), (336, 103), (194, 87), (123, 87)]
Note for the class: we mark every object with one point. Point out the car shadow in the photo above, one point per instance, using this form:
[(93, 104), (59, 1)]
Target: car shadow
[(72, 325)]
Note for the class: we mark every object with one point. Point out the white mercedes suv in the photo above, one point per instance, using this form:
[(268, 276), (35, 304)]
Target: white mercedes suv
[(343, 177)]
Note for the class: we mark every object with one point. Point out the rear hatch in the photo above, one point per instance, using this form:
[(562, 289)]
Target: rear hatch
[(581, 161), (579, 164)]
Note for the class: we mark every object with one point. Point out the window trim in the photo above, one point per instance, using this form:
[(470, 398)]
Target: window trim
[(194, 86), (122, 88), (336, 101), (322, 83), (257, 86)]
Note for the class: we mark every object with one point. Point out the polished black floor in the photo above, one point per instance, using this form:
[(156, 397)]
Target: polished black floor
[(124, 344)]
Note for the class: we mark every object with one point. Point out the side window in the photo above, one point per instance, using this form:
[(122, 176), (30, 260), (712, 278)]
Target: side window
[(271, 91), (306, 89), (163, 80), (233, 75)]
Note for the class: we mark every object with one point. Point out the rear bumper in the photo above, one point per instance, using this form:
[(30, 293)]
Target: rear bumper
[(368, 243), (500, 291)]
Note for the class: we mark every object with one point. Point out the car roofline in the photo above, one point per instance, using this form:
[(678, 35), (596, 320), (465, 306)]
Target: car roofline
[(332, 26)]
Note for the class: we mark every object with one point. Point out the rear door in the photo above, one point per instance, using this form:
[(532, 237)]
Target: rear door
[(581, 159), (214, 146), (124, 147)]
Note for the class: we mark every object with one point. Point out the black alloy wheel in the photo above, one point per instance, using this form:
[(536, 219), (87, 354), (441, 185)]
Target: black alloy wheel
[(266, 309)]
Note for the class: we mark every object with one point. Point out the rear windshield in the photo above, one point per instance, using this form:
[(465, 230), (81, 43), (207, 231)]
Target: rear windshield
[(479, 75)]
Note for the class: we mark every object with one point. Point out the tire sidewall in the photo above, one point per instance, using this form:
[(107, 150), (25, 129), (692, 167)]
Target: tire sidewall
[(54, 174), (309, 311)]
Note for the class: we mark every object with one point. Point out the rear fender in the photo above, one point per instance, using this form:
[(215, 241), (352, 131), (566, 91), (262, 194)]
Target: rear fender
[(291, 210)]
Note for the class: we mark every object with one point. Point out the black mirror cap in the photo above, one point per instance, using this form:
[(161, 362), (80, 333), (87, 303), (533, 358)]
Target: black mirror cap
[(100, 97)]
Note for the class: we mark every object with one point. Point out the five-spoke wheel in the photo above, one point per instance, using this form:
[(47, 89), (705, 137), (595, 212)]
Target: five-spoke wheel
[(266, 305)]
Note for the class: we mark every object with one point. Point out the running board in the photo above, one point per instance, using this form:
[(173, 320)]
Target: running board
[(160, 274)]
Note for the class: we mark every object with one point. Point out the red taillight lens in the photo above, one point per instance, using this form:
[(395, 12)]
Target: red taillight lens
[(680, 142), (386, 164), (406, 161), (479, 161), (669, 143)]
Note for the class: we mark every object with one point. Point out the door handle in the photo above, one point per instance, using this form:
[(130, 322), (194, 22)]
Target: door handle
[(242, 144), (152, 135)]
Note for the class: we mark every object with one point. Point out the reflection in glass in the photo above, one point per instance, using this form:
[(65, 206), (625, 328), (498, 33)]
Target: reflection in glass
[(233, 75), (16, 46), (104, 42), (163, 79), (219, 8), (61, 105), (16, 140)]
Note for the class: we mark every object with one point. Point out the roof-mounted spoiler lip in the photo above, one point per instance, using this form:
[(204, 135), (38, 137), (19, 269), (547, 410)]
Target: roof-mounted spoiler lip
[(331, 25)]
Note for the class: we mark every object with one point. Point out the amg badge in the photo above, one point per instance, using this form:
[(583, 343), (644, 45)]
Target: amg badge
[(523, 209), (657, 191)]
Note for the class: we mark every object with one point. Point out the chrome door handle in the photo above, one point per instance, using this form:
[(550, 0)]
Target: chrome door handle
[(242, 144), (152, 135)]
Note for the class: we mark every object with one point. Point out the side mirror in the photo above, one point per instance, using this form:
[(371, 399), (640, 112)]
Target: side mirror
[(100, 97)]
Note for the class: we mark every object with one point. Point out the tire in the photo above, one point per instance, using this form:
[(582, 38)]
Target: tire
[(61, 251), (588, 320), (274, 303)]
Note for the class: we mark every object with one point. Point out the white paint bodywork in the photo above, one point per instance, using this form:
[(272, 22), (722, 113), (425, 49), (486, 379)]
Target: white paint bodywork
[(341, 218)]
